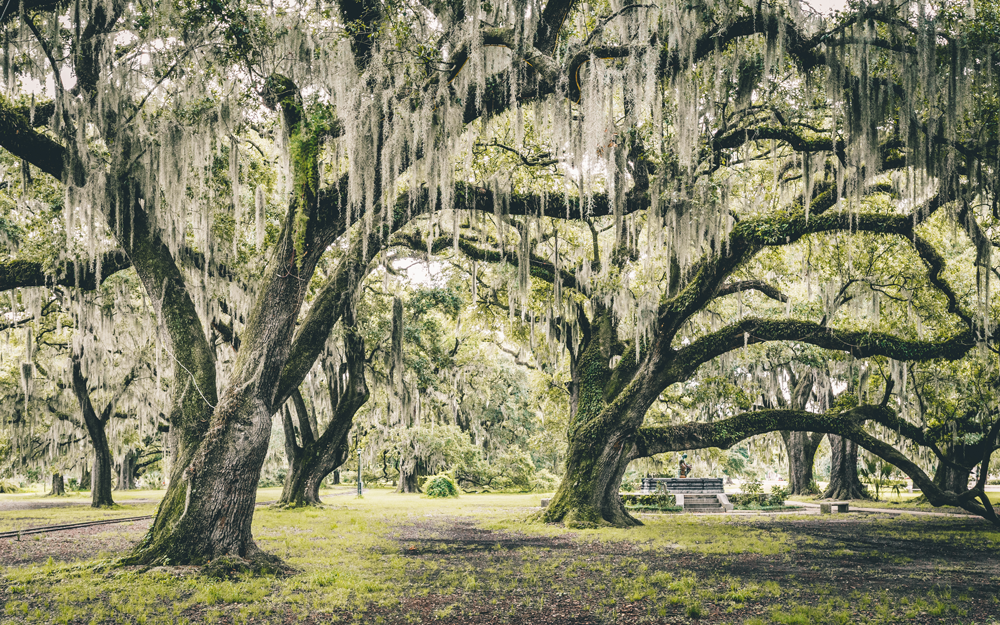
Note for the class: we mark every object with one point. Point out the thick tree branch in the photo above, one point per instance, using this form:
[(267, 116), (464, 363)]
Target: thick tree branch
[(84, 275), (849, 424), (20, 139), (539, 267), (769, 290), (751, 331)]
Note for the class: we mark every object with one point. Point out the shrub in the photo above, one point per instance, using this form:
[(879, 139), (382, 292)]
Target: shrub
[(749, 499), (510, 470), (440, 486), (653, 500), (812, 488), (752, 486), (778, 495), (544, 482), (8, 486)]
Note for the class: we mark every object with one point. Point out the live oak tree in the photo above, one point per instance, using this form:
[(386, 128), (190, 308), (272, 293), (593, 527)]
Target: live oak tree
[(648, 108), (835, 160)]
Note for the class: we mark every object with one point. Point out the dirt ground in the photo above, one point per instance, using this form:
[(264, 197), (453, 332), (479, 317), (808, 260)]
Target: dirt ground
[(850, 556), (853, 568)]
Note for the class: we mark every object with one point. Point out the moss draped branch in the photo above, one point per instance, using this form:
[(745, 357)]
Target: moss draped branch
[(87, 276), (768, 290), (859, 344), (539, 267), (727, 432)]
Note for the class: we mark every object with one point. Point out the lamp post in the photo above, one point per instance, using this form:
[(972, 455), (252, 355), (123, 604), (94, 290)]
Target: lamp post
[(357, 445)]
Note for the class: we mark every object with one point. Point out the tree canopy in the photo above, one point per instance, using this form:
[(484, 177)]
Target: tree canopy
[(641, 192)]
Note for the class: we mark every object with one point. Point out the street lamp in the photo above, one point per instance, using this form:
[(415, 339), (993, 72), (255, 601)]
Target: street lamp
[(357, 445)]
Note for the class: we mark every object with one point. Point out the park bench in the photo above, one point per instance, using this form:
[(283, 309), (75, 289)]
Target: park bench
[(829, 507)]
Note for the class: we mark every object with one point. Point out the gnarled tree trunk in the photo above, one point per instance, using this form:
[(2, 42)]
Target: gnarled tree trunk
[(315, 458), (126, 472), (599, 441), (800, 447), (408, 480), (844, 481), (100, 478), (953, 476)]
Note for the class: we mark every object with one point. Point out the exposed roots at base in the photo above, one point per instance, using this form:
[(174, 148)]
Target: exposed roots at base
[(585, 518), (258, 564)]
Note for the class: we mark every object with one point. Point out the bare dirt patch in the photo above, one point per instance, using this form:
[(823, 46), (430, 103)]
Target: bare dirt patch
[(83, 543), (862, 569)]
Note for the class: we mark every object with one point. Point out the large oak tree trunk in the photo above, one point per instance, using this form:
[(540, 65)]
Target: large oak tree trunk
[(954, 477), (844, 481), (208, 509), (600, 438), (800, 447), (126, 472), (408, 481)]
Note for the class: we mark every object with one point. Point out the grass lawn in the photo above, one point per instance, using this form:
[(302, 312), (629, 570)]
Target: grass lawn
[(391, 558)]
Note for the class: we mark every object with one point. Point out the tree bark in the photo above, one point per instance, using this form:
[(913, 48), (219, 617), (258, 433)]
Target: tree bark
[(949, 477), (599, 441), (844, 481), (100, 477), (126, 472), (315, 458), (208, 509), (58, 486), (408, 481), (800, 447), (952, 478)]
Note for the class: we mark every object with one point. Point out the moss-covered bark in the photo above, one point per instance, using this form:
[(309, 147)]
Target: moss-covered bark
[(221, 444), (844, 482), (599, 442)]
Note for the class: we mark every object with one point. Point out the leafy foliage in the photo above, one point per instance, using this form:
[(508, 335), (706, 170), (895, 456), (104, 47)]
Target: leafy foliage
[(439, 486)]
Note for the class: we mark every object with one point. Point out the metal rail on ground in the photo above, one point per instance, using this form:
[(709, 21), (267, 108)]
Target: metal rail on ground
[(45, 529)]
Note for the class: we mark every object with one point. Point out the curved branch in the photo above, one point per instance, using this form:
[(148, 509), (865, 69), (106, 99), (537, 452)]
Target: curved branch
[(20, 139), (752, 285), (87, 276), (540, 268), (728, 432), (859, 344)]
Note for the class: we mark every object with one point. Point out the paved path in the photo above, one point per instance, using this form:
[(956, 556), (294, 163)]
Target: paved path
[(853, 508)]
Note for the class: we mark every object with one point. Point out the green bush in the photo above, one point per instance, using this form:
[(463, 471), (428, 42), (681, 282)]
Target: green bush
[(8, 486), (752, 486), (749, 499), (440, 486), (511, 470), (812, 488), (654, 500), (544, 482), (778, 495)]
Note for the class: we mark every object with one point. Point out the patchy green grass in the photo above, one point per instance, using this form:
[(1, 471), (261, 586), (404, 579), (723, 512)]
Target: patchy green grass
[(405, 558)]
